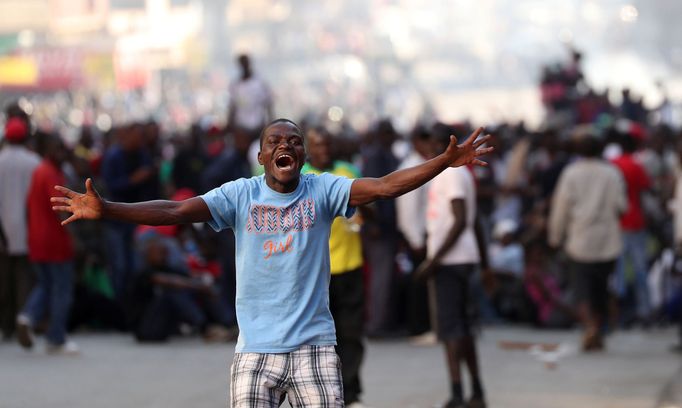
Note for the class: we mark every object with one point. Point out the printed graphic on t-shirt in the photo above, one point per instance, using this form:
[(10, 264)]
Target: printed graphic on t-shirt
[(282, 263), (270, 220), (432, 212), (267, 219), (273, 247)]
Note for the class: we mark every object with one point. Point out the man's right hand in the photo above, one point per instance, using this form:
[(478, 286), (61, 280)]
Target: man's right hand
[(88, 206)]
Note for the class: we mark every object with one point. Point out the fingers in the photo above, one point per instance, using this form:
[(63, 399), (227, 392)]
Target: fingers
[(65, 191), (62, 200), (453, 140), (480, 141), (479, 163), (483, 151), (474, 136), (69, 220), (61, 208), (88, 186)]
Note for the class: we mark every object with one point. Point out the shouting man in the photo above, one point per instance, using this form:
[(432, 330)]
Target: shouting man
[(282, 223)]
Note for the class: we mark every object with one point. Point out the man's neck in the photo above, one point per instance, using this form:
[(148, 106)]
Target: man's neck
[(54, 163), (282, 188)]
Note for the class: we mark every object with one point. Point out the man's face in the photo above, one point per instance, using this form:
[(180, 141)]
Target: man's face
[(422, 147), (282, 152), (56, 151), (130, 138), (242, 141), (437, 146), (319, 149)]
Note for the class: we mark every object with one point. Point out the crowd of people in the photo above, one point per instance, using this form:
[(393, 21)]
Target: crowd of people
[(572, 224)]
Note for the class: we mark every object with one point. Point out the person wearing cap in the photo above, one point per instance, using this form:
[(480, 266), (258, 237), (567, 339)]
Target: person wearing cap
[(17, 164)]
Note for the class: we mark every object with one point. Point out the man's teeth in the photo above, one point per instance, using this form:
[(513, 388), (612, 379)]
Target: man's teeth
[(285, 161)]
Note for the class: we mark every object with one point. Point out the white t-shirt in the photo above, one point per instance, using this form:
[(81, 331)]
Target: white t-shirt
[(251, 98), (451, 184), (411, 208)]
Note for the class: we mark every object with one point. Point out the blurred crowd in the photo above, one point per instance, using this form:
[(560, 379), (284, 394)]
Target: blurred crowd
[(157, 282)]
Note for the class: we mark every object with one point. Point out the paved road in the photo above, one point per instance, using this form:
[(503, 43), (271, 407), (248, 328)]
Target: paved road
[(115, 372)]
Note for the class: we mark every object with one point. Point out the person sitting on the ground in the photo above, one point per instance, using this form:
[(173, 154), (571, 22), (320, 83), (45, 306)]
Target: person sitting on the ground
[(94, 304), (204, 263), (163, 297), (544, 290), (507, 263), (506, 253)]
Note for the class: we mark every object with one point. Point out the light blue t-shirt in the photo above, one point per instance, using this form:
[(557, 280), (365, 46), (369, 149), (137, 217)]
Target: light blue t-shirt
[(282, 246)]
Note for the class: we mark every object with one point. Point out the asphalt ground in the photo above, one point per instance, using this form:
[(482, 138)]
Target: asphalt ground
[(637, 371)]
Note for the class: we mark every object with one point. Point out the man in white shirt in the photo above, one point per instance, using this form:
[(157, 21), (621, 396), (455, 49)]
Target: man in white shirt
[(455, 248), (17, 164), (250, 100), (411, 218)]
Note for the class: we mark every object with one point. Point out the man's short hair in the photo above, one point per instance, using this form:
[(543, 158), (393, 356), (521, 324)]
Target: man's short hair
[(243, 59), (590, 146), (628, 143), (420, 132), (276, 121), (440, 133)]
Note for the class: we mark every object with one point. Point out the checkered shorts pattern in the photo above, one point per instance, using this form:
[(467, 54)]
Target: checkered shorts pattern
[(309, 376)]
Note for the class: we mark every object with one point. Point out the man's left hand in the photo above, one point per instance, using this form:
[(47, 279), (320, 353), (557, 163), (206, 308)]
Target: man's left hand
[(469, 151), (425, 270)]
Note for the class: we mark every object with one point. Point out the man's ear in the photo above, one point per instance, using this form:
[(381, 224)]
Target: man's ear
[(259, 159), (305, 160)]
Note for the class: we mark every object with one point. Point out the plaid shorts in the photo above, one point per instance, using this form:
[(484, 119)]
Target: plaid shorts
[(310, 376)]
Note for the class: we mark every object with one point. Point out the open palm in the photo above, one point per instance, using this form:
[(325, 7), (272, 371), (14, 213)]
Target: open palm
[(469, 151), (86, 206)]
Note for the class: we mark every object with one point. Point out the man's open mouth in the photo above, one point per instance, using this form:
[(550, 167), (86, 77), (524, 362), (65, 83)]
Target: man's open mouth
[(285, 162)]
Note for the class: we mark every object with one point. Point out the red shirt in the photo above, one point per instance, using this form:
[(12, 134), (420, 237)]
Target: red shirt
[(636, 181), (198, 266), (48, 241)]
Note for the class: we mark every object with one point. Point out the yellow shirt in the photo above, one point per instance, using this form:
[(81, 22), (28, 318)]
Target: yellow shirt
[(345, 247)]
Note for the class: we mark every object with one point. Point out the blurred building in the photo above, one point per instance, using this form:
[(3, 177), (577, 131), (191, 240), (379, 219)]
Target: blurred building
[(340, 61)]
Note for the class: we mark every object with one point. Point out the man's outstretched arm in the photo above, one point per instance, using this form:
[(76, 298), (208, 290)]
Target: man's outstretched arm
[(366, 190), (90, 206)]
